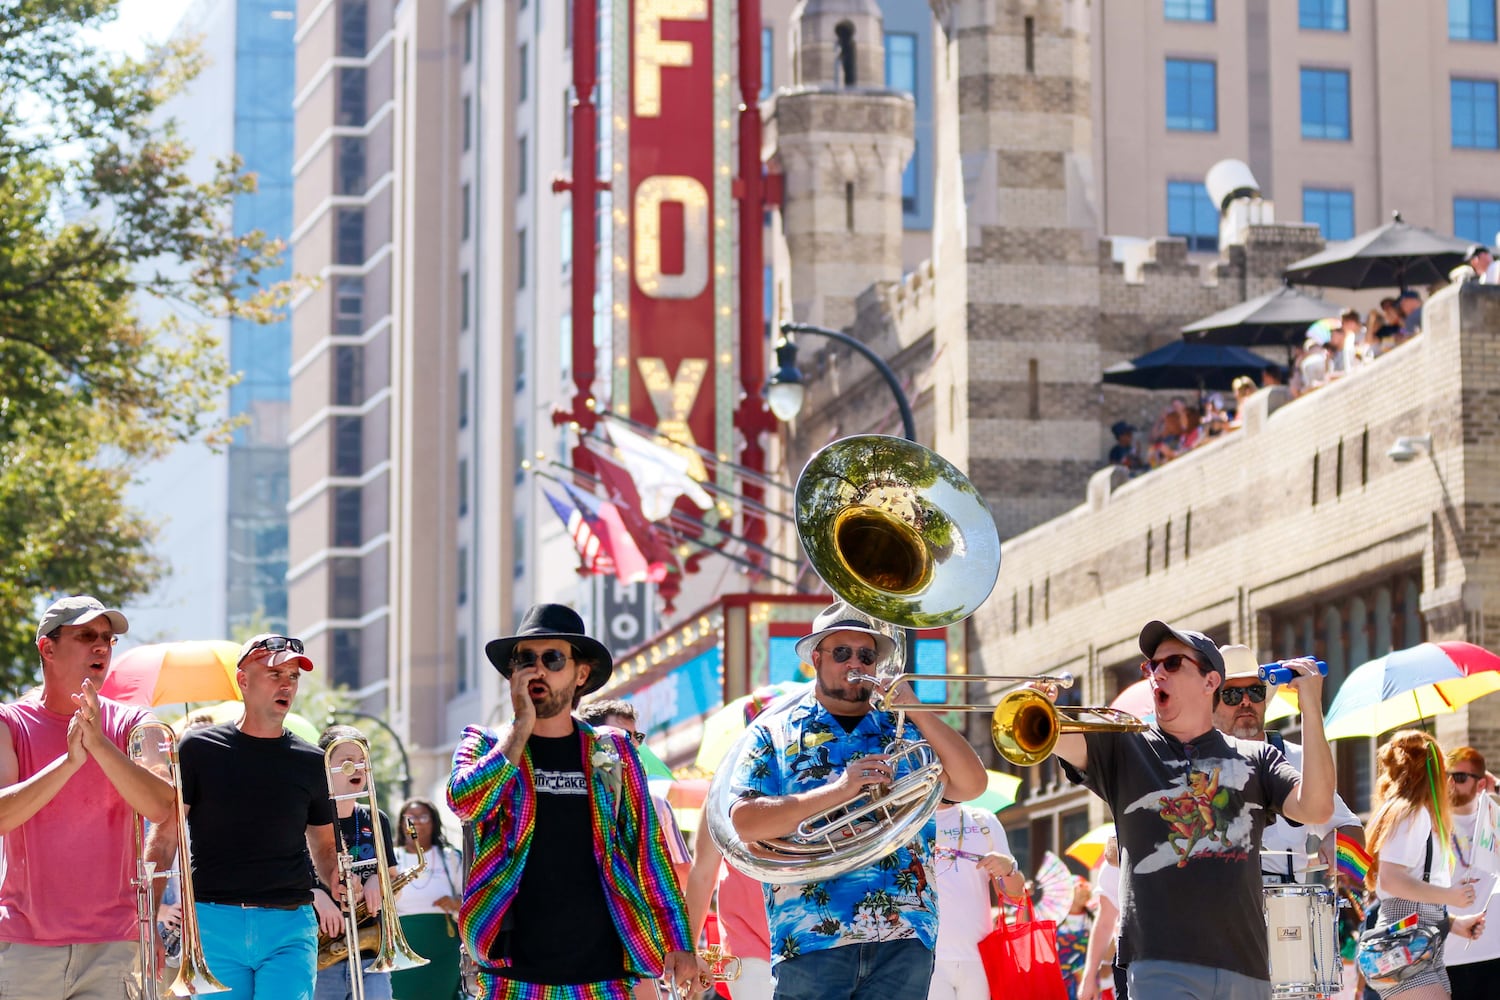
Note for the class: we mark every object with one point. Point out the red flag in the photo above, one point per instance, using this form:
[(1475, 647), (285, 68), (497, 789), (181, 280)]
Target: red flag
[(657, 553), (628, 563)]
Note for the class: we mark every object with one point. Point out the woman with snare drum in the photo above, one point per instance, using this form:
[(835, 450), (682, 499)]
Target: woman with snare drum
[(428, 906), (1408, 837)]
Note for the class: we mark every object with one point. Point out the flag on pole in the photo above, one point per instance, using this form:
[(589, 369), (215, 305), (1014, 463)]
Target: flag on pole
[(626, 502), (660, 473), (592, 548), (1353, 860), (630, 566), (1486, 856)]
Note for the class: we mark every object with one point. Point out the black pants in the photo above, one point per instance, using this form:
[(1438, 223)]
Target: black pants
[(1475, 980), (1122, 983)]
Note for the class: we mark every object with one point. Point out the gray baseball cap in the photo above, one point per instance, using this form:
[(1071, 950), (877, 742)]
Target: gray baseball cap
[(79, 610)]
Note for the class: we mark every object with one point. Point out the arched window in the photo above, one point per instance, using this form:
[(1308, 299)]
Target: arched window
[(845, 73)]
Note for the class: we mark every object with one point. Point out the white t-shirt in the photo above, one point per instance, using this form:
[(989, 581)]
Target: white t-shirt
[(1280, 835), (1488, 945), (963, 890), (442, 877), (1108, 887), (1406, 848)]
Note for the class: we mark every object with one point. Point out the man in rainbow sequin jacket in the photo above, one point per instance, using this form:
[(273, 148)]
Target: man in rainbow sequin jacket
[(571, 892)]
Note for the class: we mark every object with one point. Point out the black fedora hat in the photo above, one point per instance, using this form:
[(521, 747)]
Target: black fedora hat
[(555, 621)]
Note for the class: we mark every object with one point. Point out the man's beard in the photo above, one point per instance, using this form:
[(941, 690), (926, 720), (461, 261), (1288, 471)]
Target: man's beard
[(850, 691), (1247, 728), (554, 703), (1463, 796)]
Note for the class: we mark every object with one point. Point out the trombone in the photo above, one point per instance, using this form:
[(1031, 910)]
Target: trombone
[(153, 745), (394, 954)]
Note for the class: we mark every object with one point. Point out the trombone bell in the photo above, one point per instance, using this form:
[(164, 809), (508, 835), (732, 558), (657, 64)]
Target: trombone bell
[(1026, 725)]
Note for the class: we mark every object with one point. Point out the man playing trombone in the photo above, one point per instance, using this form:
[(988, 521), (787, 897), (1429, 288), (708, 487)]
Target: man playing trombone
[(261, 823), (571, 894), (869, 932), (68, 795)]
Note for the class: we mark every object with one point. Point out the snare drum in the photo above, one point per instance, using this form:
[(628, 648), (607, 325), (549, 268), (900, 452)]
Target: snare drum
[(1302, 930)]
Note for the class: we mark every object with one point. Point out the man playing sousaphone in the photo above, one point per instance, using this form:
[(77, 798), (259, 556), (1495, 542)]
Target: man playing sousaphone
[(67, 795), (868, 933)]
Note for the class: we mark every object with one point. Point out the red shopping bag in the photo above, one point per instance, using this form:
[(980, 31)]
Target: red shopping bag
[(1020, 959)]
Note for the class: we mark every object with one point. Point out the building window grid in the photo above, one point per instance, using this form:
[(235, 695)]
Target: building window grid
[(523, 166), (1477, 219), (463, 301), (466, 126), (1192, 95), (465, 199), (1323, 15), (1475, 112), (1191, 215), (1471, 20), (523, 68), (1332, 210), (463, 399), (463, 487), (521, 258), (1325, 103), (1188, 10)]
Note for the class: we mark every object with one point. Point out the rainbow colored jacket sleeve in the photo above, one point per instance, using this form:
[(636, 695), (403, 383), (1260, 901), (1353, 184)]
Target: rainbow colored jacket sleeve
[(498, 798)]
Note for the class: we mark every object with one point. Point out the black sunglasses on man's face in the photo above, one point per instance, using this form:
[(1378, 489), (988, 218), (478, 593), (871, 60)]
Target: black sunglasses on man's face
[(1233, 696), (841, 654)]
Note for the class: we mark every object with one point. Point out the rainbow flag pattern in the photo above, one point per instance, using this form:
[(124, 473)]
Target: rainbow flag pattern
[(1406, 922), (1352, 859)]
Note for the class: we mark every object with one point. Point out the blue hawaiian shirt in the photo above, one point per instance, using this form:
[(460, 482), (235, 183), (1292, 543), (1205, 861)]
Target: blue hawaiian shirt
[(802, 749)]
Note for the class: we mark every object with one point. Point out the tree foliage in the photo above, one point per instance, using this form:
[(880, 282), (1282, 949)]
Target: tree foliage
[(99, 210)]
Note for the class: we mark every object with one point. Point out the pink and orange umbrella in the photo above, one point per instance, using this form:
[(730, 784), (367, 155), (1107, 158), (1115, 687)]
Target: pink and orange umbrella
[(165, 673)]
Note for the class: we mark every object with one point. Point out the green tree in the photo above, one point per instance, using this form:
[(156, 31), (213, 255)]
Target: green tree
[(99, 209)]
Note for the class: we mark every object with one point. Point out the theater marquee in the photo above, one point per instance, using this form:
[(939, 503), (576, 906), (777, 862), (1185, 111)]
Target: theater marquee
[(674, 331)]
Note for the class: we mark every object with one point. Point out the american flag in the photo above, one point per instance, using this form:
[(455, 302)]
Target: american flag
[(583, 528)]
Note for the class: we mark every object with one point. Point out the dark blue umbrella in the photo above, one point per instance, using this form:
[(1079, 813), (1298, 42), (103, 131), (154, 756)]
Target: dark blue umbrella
[(1185, 365)]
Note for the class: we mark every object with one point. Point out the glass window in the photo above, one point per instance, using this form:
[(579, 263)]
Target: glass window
[(461, 658), (1191, 215), (520, 361), (767, 61), (468, 130), (347, 515), (521, 258), (349, 307), (901, 62), (909, 192), (565, 237), (351, 109), (1471, 20), (1474, 114), (523, 171), (344, 587), (1188, 10), (463, 486), (1323, 15), (522, 452), (348, 446), (1192, 99), (354, 24), (345, 642), (518, 542), (1333, 211), (348, 375), (1325, 104), (463, 398), (1477, 219), (351, 166), (463, 575), (469, 35), (350, 237), (523, 83)]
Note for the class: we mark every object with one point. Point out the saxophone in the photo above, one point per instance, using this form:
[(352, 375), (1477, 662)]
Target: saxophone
[(332, 950)]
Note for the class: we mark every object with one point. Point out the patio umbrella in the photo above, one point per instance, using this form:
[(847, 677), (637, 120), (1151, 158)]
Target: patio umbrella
[(1088, 849), (726, 724), (163, 673), (1395, 255), (1186, 365), (1137, 700), (1432, 678), (1280, 317)]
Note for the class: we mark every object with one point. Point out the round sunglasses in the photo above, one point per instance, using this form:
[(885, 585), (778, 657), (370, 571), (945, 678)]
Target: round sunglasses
[(841, 654)]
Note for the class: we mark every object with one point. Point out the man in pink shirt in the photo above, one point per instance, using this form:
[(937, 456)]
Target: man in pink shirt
[(67, 795)]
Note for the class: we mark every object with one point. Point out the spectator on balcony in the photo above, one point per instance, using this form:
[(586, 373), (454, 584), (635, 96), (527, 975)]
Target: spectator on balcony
[(1123, 453), (1244, 388), (1411, 312), (1312, 365), (1172, 428), (1476, 266), (1215, 420)]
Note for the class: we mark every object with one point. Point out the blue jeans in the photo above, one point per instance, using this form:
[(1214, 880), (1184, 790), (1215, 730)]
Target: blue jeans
[(1158, 980), (887, 970), (259, 953), (333, 983)]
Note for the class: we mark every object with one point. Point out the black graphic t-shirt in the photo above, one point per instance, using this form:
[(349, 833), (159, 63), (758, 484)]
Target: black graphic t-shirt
[(1189, 818), (559, 929)]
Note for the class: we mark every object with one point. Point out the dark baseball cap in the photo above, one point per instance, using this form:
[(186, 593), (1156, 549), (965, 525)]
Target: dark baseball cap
[(1157, 632)]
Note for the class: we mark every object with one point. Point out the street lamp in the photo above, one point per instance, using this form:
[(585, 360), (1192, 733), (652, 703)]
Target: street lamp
[(785, 390)]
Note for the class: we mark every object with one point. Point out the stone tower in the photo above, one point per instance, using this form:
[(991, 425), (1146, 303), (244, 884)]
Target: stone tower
[(840, 141), (1016, 254)]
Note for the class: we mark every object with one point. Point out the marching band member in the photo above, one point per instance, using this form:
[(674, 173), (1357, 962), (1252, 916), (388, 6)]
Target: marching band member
[(571, 895), (68, 793), (261, 823), (355, 833), (868, 933), (1189, 805), (1240, 711)]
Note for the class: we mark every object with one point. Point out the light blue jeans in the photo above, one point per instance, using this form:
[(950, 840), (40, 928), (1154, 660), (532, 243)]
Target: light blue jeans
[(887, 970), (260, 953), (1155, 980), (333, 983)]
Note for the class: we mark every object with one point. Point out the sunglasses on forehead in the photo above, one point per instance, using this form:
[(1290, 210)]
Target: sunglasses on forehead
[(1233, 696), (277, 643), (841, 654)]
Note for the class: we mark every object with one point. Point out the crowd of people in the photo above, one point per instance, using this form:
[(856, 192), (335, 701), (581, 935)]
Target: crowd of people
[(1333, 349), (579, 885)]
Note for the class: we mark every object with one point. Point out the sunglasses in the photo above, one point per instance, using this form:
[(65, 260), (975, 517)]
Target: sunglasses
[(1462, 777), (1233, 696), (552, 659), (1171, 664), (638, 738), (841, 654), (276, 643), (91, 637)]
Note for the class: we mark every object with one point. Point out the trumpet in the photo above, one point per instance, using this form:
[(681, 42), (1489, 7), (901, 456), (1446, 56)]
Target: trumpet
[(722, 968), (153, 745), (393, 953)]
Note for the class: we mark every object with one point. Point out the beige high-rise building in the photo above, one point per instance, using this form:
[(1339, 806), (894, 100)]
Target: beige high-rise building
[(1345, 112)]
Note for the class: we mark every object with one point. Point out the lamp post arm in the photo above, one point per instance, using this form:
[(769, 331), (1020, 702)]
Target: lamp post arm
[(395, 736), (908, 422)]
